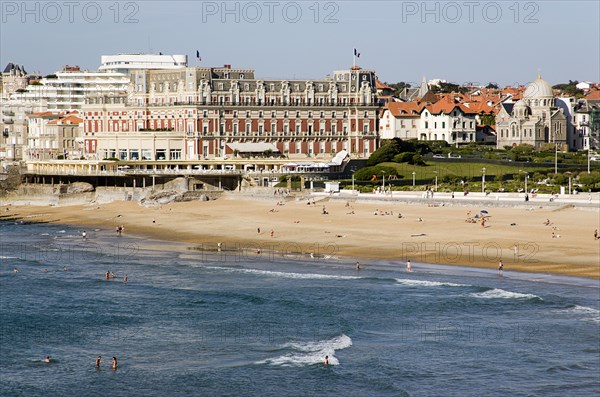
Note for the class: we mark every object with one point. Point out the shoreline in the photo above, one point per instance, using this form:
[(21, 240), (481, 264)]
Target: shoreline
[(351, 231)]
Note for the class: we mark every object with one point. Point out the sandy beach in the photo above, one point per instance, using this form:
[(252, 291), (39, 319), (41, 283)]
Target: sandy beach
[(434, 234)]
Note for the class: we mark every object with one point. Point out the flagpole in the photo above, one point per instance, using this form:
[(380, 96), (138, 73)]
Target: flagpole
[(354, 58)]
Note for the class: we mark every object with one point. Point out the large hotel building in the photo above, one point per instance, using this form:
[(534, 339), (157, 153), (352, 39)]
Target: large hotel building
[(218, 113)]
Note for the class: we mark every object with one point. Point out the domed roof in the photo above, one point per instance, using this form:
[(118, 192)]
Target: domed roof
[(539, 89), (519, 104)]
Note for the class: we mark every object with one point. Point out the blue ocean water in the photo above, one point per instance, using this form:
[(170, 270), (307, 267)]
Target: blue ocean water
[(230, 324)]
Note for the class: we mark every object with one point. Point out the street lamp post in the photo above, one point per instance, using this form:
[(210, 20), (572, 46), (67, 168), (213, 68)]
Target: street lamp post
[(483, 180), (383, 183), (413, 174), (436, 184), (352, 181)]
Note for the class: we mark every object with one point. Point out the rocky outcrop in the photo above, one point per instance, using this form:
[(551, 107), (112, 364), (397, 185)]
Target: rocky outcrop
[(79, 187)]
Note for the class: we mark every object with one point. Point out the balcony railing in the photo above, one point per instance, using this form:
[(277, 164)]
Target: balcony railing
[(261, 104)]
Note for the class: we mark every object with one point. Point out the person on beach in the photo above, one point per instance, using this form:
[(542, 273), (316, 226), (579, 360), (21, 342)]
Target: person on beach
[(98, 359), (596, 237), (408, 268), (258, 230), (326, 361), (114, 363), (500, 267), (272, 233)]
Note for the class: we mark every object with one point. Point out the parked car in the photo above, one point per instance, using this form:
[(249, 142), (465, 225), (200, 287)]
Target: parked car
[(595, 159), (438, 156)]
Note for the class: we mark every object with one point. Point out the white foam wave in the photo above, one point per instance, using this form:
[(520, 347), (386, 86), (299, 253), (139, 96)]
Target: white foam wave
[(285, 274), (588, 313), (310, 353), (8, 257), (424, 283), (498, 293)]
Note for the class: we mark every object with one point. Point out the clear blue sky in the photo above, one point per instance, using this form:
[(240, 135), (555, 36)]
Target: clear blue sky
[(463, 41)]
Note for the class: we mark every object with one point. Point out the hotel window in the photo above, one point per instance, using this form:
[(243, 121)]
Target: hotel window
[(273, 114), (273, 128), (235, 129), (235, 114), (286, 129), (333, 129), (205, 129), (247, 128), (443, 124), (322, 115), (366, 115), (427, 124), (226, 75), (246, 87), (260, 129), (271, 87), (161, 154), (345, 114), (297, 129), (435, 125), (345, 130), (285, 114), (241, 76), (221, 86), (366, 128), (333, 115), (146, 154), (260, 114), (122, 154), (175, 154), (309, 115), (204, 113), (296, 87), (247, 115), (134, 154)]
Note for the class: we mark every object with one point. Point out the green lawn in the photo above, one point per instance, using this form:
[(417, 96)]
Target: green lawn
[(468, 170)]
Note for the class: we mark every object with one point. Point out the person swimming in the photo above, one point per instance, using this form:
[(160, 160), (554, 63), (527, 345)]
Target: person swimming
[(98, 359), (326, 361), (114, 362), (47, 359)]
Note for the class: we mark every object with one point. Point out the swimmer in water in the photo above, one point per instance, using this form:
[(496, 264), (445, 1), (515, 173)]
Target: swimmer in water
[(98, 361), (47, 359), (357, 265), (326, 361), (114, 362)]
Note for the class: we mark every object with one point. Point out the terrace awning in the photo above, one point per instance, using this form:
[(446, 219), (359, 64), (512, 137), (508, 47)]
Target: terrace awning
[(252, 147)]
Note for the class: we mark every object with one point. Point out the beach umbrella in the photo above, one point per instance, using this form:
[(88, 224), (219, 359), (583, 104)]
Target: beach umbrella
[(483, 211)]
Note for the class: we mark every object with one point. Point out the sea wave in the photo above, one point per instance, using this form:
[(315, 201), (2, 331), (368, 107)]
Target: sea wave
[(310, 353), (425, 283), (284, 274), (497, 293), (586, 313)]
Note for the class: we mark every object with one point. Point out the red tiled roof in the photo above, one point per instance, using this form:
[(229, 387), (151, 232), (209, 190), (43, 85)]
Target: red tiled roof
[(593, 95), (381, 86), (405, 109)]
